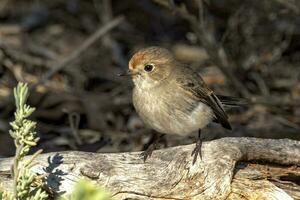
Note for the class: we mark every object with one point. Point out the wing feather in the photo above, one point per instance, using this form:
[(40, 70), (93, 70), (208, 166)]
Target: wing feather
[(193, 83)]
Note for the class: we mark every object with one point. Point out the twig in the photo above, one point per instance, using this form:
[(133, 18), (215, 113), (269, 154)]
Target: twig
[(64, 63), (214, 50), (274, 101), (105, 13), (261, 84), (74, 119), (26, 58), (290, 4), (86, 44)]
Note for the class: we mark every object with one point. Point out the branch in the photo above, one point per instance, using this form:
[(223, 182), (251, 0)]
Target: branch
[(101, 31), (214, 49), (169, 173), (86, 44)]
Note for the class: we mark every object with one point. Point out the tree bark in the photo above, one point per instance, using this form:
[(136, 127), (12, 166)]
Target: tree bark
[(231, 168)]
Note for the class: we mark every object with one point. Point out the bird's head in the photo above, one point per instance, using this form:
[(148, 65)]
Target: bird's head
[(150, 66)]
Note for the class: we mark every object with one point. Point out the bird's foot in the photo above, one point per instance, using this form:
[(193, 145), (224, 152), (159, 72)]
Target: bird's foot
[(153, 145), (148, 152), (197, 150)]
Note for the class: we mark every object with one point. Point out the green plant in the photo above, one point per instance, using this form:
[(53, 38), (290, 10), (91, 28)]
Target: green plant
[(24, 135), (24, 181), (87, 191)]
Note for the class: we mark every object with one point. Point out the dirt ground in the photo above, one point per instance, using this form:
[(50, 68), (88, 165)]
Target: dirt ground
[(247, 49)]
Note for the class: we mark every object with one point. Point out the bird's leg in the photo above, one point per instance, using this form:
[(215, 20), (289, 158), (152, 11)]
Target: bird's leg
[(152, 146), (197, 149)]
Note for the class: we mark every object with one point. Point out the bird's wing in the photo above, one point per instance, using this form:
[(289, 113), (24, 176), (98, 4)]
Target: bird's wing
[(191, 82)]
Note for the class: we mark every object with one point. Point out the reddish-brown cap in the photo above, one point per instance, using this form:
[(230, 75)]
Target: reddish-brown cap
[(136, 59), (150, 54)]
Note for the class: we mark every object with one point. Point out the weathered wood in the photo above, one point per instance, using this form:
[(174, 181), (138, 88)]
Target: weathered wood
[(169, 173)]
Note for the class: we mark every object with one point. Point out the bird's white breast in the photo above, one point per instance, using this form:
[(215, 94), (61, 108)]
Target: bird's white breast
[(169, 111)]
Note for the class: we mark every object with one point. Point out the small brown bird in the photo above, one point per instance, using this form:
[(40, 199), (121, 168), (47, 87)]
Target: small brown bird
[(172, 98)]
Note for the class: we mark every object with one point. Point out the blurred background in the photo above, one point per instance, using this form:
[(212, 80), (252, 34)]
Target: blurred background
[(70, 52)]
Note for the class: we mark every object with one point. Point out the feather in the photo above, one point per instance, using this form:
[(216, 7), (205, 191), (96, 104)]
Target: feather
[(192, 82), (232, 101)]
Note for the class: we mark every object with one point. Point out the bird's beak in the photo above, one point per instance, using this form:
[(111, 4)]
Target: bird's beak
[(127, 73)]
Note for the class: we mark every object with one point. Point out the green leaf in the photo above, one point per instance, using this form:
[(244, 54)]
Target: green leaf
[(87, 191)]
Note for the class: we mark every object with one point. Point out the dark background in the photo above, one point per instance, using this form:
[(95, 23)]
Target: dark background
[(247, 49)]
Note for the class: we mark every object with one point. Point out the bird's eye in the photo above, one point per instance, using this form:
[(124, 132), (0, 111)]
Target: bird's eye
[(148, 68)]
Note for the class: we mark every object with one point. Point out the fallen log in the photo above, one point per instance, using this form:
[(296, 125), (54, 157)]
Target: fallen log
[(231, 168)]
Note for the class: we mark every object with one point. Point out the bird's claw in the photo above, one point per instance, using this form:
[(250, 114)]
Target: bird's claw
[(197, 151), (148, 152)]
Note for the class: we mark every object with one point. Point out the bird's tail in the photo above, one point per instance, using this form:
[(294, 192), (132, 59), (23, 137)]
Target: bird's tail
[(232, 101)]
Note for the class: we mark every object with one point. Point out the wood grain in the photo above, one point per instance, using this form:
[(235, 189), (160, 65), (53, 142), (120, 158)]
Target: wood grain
[(231, 168)]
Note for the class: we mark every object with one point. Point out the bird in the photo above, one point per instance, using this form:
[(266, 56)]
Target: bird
[(172, 98)]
